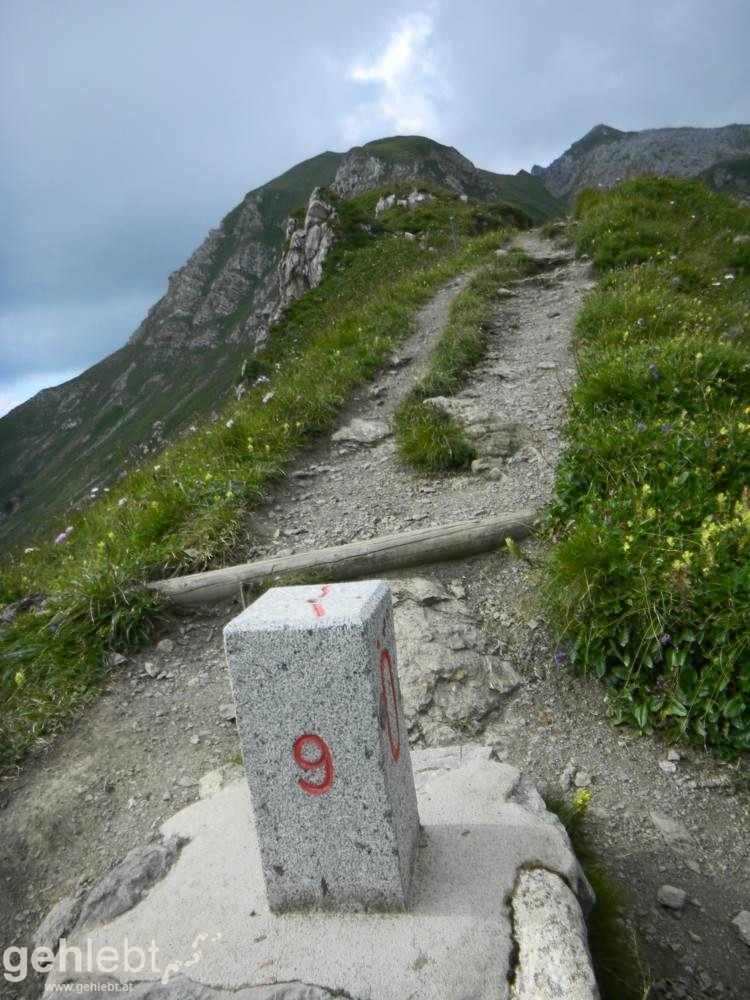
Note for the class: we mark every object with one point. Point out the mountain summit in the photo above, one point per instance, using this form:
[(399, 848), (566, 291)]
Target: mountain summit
[(605, 156)]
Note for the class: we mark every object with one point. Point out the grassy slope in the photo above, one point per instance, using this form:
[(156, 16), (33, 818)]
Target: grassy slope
[(650, 578), (527, 192), (160, 386), (188, 509)]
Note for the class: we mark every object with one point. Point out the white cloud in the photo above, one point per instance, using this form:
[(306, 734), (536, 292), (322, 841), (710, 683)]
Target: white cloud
[(410, 88), (8, 402)]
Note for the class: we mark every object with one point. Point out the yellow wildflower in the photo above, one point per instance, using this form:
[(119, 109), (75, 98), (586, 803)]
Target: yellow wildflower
[(581, 799)]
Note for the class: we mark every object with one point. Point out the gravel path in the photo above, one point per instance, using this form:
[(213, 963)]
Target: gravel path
[(136, 755)]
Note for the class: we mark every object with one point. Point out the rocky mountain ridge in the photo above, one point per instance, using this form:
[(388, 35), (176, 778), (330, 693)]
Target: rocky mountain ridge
[(605, 156), (183, 359)]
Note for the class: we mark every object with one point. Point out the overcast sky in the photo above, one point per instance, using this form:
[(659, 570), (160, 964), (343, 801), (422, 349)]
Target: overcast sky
[(128, 129)]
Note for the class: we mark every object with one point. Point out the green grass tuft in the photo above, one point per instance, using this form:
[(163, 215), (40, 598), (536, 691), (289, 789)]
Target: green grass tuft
[(621, 972), (430, 440)]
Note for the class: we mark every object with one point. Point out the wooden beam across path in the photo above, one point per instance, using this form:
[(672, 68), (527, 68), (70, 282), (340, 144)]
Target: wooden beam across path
[(367, 558)]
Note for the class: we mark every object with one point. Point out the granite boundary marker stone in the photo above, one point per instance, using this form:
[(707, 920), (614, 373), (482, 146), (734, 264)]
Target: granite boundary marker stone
[(325, 745)]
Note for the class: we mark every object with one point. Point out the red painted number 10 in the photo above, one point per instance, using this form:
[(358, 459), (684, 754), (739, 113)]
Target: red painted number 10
[(322, 762), (390, 701)]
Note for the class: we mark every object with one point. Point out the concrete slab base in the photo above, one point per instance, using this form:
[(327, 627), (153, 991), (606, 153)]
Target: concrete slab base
[(206, 928)]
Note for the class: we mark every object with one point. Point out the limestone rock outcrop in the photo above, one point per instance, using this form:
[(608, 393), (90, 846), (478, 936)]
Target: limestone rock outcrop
[(301, 265)]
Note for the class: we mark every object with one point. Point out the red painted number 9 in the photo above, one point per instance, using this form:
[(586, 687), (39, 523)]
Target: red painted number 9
[(323, 762)]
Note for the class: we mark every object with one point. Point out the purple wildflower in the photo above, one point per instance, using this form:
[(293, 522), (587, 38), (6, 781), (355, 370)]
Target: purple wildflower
[(640, 427), (563, 653), (666, 428), (654, 371), (665, 639)]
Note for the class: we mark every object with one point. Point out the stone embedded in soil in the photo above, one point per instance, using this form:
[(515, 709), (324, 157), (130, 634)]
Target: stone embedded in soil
[(551, 939), (125, 885), (674, 832), (671, 897), (362, 431), (59, 921), (741, 924)]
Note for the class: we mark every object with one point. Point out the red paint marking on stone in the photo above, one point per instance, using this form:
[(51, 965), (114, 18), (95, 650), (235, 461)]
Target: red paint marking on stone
[(318, 609), (386, 664), (324, 761)]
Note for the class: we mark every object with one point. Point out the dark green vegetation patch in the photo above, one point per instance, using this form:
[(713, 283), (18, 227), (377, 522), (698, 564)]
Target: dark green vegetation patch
[(650, 578)]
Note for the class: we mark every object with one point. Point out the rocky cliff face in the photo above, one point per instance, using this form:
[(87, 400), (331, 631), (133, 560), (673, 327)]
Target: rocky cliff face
[(606, 156), (301, 264), (176, 367), (210, 287)]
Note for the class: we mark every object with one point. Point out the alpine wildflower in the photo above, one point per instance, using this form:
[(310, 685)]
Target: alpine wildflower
[(581, 800)]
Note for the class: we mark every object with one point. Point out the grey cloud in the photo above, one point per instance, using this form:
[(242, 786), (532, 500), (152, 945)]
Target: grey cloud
[(37, 338), (128, 130)]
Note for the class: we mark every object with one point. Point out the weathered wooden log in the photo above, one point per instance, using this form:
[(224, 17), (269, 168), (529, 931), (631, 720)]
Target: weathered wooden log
[(367, 558)]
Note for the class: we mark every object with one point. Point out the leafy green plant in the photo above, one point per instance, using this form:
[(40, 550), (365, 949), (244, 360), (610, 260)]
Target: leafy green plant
[(649, 579)]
